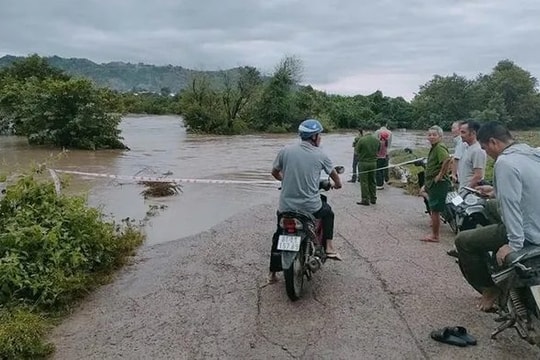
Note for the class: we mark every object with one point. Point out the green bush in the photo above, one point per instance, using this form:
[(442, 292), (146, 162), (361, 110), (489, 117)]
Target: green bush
[(20, 335), (53, 249)]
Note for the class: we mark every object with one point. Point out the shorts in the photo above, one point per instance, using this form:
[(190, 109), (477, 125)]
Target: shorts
[(437, 195)]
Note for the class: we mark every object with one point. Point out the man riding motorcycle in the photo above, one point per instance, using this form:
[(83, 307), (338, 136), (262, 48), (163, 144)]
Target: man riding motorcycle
[(299, 167), (516, 173)]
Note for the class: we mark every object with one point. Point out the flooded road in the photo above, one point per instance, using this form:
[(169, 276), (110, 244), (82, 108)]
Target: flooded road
[(160, 144)]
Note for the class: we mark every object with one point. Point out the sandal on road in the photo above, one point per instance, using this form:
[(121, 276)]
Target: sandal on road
[(334, 256), (444, 335), (461, 332)]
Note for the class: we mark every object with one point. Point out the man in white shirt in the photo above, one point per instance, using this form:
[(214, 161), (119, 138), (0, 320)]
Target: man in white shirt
[(459, 147), (472, 165)]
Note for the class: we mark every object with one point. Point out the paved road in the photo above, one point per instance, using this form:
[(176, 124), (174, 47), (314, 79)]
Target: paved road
[(205, 297)]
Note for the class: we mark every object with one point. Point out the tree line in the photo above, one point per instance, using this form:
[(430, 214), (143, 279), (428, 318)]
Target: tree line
[(50, 107)]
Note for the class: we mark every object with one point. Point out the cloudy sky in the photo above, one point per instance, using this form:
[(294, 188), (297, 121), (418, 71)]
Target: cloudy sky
[(347, 46)]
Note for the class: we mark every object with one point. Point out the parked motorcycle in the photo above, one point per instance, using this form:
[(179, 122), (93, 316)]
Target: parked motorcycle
[(519, 302), (467, 210), (300, 244)]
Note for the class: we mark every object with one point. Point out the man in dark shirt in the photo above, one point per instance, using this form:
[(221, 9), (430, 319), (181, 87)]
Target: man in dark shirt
[(366, 150)]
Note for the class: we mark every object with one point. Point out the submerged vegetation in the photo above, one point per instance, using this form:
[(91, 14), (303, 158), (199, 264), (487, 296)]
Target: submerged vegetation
[(51, 108), (53, 250)]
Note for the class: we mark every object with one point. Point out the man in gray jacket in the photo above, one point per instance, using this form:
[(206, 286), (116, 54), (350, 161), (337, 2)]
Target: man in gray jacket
[(516, 174)]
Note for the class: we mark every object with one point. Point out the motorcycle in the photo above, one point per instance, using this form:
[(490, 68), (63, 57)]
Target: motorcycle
[(519, 301), (467, 210), (300, 244)]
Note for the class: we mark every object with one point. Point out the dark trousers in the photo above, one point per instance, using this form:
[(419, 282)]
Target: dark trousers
[(354, 167), (472, 246), (325, 213), (382, 174), (368, 185)]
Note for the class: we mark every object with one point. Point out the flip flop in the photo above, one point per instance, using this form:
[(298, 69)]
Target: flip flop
[(444, 335), (461, 332), (333, 256), (429, 239)]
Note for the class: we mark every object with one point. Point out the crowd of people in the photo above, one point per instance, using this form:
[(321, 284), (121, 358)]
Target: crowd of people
[(515, 201)]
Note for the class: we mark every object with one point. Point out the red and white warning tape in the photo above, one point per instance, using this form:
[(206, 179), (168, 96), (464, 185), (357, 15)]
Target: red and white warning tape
[(189, 181), (165, 179)]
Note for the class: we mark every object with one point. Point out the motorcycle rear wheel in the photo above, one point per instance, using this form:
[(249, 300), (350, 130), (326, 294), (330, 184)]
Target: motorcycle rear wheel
[(294, 276)]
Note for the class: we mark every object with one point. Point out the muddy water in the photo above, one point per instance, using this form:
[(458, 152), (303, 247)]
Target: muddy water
[(160, 144)]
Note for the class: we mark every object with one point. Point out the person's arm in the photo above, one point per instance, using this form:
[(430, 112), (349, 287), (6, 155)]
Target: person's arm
[(479, 159), (277, 174), (277, 166), (337, 180), (477, 176), (455, 163), (458, 152), (445, 168), (509, 192)]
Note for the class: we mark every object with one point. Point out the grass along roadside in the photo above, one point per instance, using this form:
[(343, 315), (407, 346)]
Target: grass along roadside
[(530, 137), (54, 250)]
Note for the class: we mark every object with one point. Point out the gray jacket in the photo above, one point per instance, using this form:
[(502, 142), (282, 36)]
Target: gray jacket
[(517, 173)]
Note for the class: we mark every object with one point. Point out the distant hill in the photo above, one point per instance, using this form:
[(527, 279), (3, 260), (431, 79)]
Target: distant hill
[(130, 77)]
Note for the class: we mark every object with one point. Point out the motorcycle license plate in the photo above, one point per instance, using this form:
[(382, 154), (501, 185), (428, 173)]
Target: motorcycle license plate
[(536, 294), (289, 243)]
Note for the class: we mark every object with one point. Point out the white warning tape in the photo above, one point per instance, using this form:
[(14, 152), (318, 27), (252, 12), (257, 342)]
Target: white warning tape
[(164, 179), (393, 165)]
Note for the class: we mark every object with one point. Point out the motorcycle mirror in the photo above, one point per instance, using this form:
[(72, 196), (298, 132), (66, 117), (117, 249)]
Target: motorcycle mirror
[(340, 169)]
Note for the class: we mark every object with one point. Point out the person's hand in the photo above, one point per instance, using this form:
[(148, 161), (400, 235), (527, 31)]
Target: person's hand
[(486, 190), (502, 253), (337, 186), (437, 178)]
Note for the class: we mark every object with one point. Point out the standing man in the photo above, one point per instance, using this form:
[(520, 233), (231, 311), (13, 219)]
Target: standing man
[(472, 164), (383, 131), (459, 147), (382, 161), (437, 183), (355, 157), (366, 150)]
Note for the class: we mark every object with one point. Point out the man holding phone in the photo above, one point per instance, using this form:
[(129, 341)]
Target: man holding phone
[(516, 173)]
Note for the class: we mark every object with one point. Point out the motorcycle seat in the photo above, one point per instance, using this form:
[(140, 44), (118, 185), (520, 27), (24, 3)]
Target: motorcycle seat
[(528, 252)]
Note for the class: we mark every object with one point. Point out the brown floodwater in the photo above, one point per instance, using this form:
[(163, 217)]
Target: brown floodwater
[(160, 144)]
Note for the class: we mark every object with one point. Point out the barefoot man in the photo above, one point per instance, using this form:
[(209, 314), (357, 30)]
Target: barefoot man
[(437, 183)]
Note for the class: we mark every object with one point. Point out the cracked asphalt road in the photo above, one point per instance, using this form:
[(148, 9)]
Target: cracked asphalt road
[(205, 296)]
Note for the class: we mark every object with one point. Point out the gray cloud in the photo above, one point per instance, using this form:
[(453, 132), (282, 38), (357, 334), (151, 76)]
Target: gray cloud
[(346, 46)]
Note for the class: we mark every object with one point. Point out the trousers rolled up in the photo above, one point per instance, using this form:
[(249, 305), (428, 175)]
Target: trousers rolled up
[(368, 186)]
